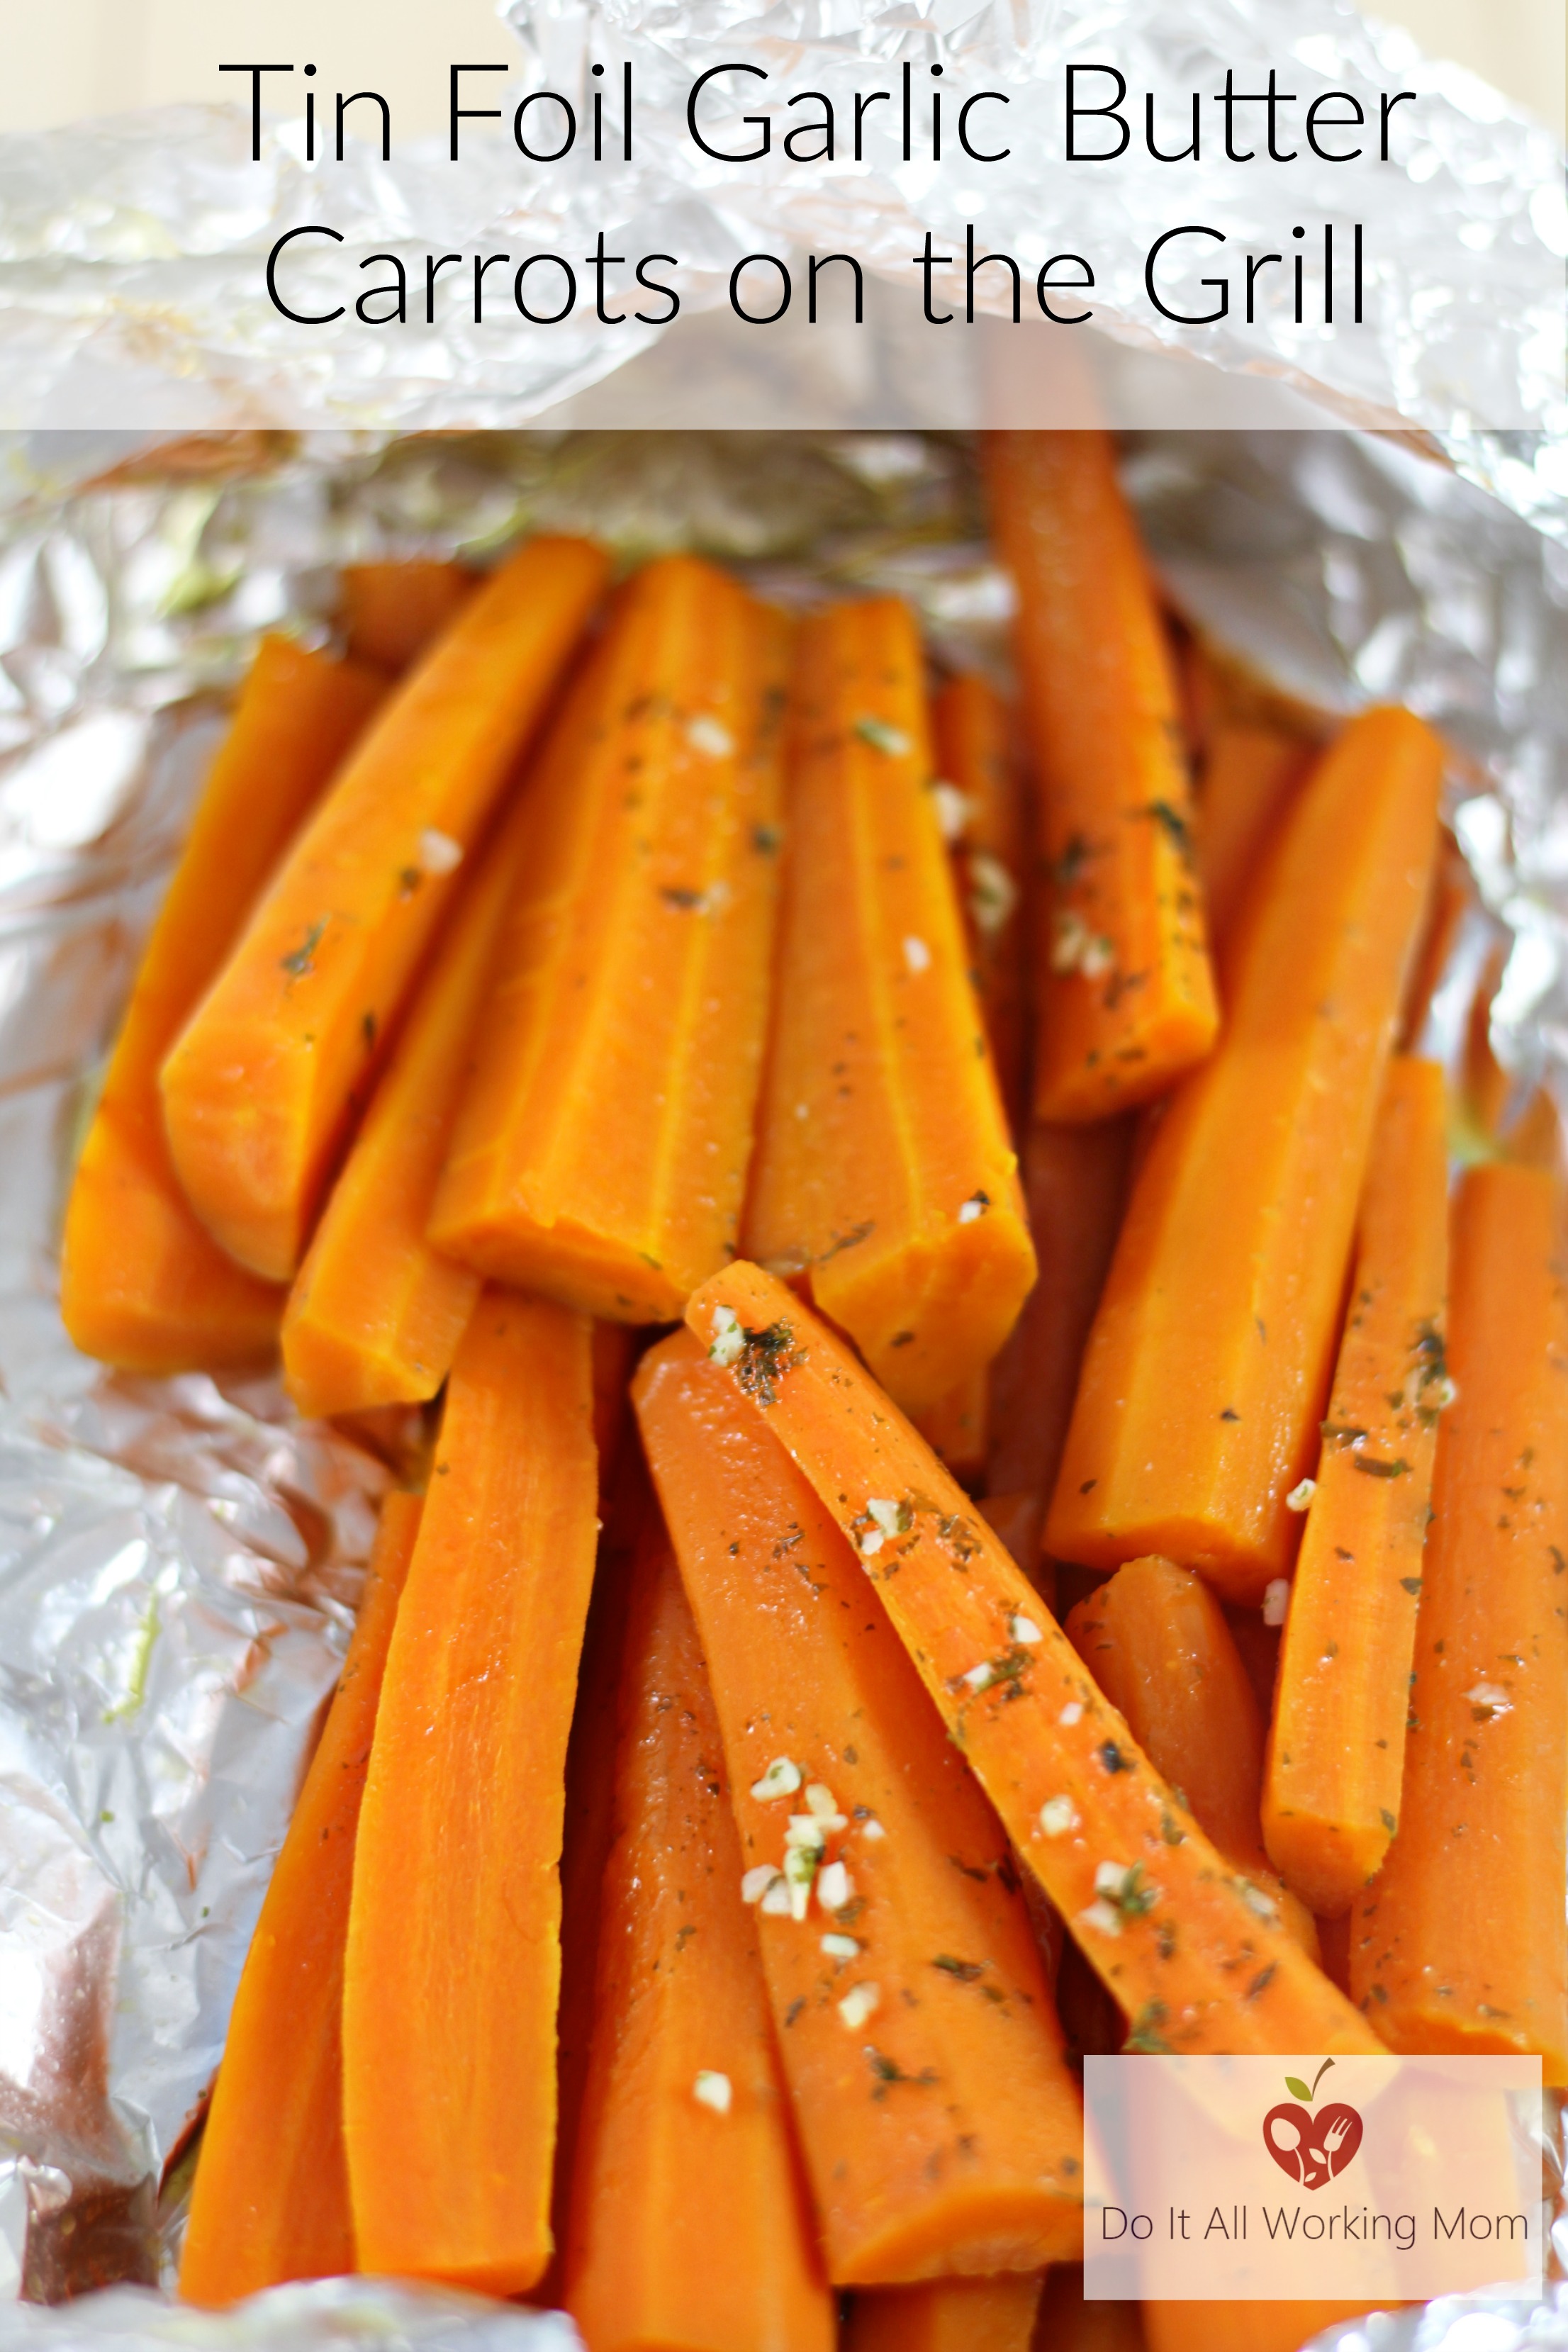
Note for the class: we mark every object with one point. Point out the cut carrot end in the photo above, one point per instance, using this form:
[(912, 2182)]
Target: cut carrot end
[(271, 2195), (939, 2123), (266, 1081), (1126, 999), (884, 1176), (1202, 1963), (1204, 1379), (1337, 1745), (1458, 1943), (632, 974), (143, 1286), (450, 2009), (684, 2146)]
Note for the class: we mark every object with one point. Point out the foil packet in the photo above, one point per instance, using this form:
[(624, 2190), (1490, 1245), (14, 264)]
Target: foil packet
[(179, 1559)]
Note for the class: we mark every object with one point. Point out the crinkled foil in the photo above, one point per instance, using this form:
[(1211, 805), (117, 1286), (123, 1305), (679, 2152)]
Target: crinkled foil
[(131, 251), (178, 1561)]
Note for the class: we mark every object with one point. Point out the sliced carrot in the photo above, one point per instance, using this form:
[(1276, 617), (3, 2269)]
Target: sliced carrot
[(1155, 1640), (1459, 1943), (1127, 999), (1068, 2323), (1336, 1750), (884, 1178), (271, 2195), (688, 2225), (979, 2314), (1210, 1357), (1451, 897), (1192, 1954), (940, 2128), (1242, 2326), (985, 822), (262, 1086), (450, 2001), (143, 1283), (956, 1426), (375, 1313), (391, 613), (600, 1152), (1075, 1183), (626, 1503), (1249, 776)]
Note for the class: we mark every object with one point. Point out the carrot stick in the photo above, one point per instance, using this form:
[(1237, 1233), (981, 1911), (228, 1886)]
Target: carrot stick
[(984, 822), (626, 1502), (1336, 1750), (1210, 1357), (1196, 1964), (375, 1313), (1075, 1183), (600, 1151), (977, 2314), (274, 1065), (940, 2128), (1459, 1944), (1155, 1640), (1451, 897), (391, 613), (271, 2196), (1242, 2326), (955, 1426), (143, 1285), (453, 1966), (1249, 777), (1127, 999), (883, 1175), (688, 2222), (1068, 2323)]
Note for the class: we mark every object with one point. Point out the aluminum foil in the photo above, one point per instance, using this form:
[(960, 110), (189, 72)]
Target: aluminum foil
[(178, 1561), (131, 251)]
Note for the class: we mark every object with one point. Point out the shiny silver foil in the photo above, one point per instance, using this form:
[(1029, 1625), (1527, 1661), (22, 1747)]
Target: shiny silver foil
[(131, 251), (179, 1560), (329, 2315)]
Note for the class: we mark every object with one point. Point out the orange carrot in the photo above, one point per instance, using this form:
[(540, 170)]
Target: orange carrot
[(1209, 1359), (688, 2220), (1249, 776), (1075, 1183), (978, 2315), (143, 1285), (1068, 2323), (626, 1502), (955, 1426), (1127, 999), (450, 2001), (984, 822), (883, 1175), (375, 1313), (1242, 2326), (1451, 897), (940, 2128), (1155, 1640), (600, 1151), (263, 1086), (271, 2196), (390, 613), (1459, 1944), (1193, 1955), (1336, 1750)]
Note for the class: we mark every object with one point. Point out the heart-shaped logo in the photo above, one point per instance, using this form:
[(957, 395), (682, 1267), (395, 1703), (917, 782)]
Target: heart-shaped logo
[(1312, 2147)]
